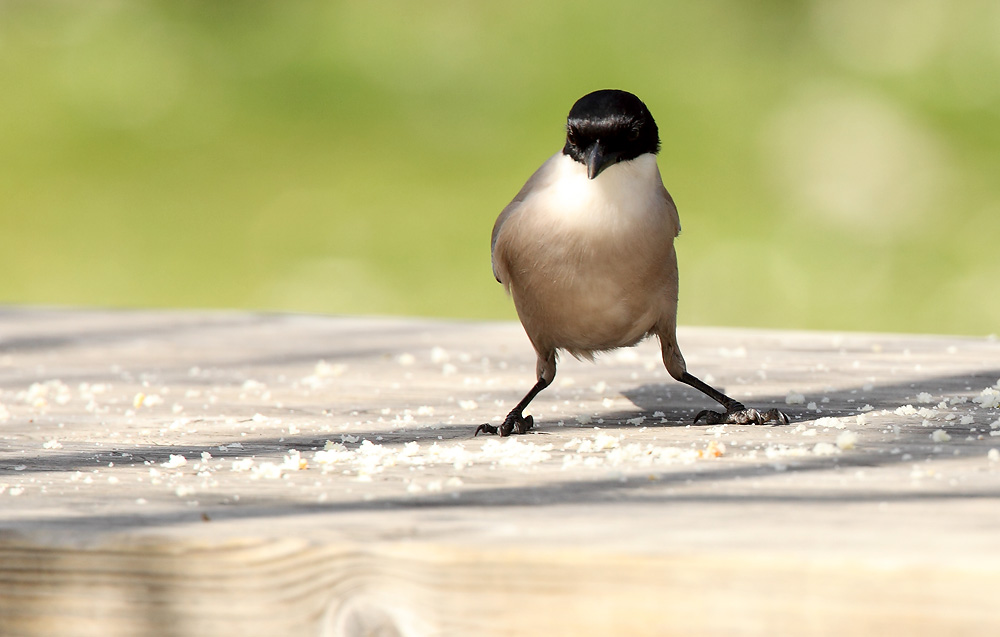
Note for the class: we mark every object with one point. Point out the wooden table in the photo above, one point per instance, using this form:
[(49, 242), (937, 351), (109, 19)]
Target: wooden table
[(204, 473)]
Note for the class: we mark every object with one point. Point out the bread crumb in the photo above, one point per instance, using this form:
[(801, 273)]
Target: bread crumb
[(242, 465), (406, 359), (175, 460), (940, 435), (847, 440), (924, 397), (993, 455), (825, 449), (831, 422), (795, 398), (989, 398), (713, 450)]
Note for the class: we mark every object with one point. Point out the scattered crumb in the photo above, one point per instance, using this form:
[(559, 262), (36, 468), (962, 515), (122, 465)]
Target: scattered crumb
[(406, 359), (825, 449), (940, 435), (847, 440), (989, 398), (830, 422), (795, 398), (175, 460)]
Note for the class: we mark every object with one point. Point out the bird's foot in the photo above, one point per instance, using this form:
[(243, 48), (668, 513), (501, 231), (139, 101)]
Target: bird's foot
[(514, 423), (741, 415)]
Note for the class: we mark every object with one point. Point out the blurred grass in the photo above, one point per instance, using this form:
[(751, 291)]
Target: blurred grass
[(835, 162)]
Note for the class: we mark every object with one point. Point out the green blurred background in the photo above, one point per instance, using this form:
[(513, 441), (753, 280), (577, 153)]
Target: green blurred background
[(835, 162)]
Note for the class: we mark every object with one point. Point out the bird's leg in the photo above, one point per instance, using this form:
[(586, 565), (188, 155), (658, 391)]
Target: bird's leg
[(516, 422), (736, 412)]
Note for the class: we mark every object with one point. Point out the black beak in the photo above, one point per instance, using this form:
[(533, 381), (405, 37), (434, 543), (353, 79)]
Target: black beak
[(597, 160)]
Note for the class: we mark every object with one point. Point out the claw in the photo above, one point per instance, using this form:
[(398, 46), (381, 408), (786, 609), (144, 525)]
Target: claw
[(711, 417), (514, 423), (742, 416)]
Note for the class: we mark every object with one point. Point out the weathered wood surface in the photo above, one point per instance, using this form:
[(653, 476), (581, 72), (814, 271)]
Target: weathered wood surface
[(614, 517)]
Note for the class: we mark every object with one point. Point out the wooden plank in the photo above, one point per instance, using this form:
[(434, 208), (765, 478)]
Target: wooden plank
[(614, 517)]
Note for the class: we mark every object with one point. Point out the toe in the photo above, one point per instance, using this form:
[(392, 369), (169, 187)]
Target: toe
[(486, 429), (522, 425), (777, 416), (711, 417)]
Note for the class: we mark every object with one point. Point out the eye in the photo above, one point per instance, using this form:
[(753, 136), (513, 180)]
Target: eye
[(633, 134)]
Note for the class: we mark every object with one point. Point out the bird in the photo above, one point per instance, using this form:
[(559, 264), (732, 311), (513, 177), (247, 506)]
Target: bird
[(586, 252)]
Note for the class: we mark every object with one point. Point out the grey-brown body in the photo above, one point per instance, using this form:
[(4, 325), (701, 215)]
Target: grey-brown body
[(590, 263)]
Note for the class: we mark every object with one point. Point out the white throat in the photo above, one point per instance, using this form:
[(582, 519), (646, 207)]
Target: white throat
[(622, 193)]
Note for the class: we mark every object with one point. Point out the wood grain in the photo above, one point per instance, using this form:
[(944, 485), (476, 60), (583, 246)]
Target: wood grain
[(614, 517)]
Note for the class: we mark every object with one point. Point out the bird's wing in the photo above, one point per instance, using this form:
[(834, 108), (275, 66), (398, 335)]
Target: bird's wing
[(540, 176), (671, 210)]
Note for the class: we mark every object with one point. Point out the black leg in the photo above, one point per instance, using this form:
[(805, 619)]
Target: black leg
[(736, 412), (515, 422)]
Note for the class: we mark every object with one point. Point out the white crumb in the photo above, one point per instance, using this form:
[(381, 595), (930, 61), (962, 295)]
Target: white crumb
[(244, 464), (825, 449), (175, 460), (795, 398), (940, 435), (989, 398), (406, 359), (847, 440), (830, 422)]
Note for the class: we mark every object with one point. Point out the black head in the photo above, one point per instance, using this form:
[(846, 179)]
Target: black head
[(607, 127)]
